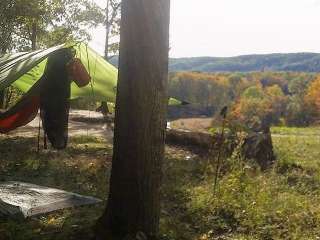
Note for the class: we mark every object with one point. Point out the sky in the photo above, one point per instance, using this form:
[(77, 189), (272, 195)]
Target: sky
[(225, 28)]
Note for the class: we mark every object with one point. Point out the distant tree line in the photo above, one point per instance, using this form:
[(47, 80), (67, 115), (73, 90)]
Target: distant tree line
[(296, 62), (254, 99)]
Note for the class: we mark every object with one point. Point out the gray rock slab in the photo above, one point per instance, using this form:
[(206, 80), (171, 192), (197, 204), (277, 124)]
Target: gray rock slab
[(19, 199)]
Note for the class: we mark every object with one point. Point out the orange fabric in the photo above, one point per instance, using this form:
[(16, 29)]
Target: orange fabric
[(22, 117), (78, 73)]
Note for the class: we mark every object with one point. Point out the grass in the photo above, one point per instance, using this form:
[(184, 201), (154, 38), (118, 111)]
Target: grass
[(298, 146), (281, 203), (297, 131)]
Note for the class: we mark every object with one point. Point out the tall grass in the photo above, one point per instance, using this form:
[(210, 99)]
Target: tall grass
[(281, 203)]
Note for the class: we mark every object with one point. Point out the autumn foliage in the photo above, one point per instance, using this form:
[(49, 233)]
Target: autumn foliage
[(312, 98), (257, 99)]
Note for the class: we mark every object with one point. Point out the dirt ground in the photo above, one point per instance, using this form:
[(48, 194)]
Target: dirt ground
[(81, 122)]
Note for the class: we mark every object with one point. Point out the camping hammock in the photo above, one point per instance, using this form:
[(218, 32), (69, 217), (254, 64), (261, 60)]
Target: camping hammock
[(23, 112), (51, 94)]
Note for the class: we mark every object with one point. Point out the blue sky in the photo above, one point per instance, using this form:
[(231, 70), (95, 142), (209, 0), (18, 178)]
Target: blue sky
[(237, 27)]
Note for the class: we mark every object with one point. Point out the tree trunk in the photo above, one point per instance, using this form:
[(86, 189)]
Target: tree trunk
[(4, 48), (106, 49), (2, 98), (140, 122), (34, 36), (2, 91)]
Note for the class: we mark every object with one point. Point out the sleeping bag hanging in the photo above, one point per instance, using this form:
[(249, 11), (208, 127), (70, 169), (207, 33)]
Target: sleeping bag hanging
[(54, 98)]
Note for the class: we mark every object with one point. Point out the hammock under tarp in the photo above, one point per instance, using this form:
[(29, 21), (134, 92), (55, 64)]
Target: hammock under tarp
[(30, 73)]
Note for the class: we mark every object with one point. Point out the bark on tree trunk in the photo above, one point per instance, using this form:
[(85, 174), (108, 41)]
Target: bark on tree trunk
[(2, 98), (34, 36), (2, 91), (106, 49), (140, 122)]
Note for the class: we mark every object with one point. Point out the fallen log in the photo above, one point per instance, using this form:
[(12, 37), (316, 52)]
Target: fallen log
[(188, 138), (256, 146)]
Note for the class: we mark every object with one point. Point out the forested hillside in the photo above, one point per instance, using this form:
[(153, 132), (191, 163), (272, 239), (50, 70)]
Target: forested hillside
[(298, 62)]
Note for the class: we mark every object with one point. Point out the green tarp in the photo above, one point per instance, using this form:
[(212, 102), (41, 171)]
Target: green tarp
[(22, 70), (14, 66)]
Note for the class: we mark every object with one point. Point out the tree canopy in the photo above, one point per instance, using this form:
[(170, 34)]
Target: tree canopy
[(44, 23)]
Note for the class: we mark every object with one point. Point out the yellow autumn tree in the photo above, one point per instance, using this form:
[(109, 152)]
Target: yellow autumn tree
[(312, 98)]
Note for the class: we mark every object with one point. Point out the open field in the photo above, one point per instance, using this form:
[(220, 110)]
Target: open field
[(281, 203)]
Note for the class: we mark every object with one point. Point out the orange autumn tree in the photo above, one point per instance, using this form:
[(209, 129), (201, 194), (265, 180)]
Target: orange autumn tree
[(252, 109), (258, 107), (312, 98)]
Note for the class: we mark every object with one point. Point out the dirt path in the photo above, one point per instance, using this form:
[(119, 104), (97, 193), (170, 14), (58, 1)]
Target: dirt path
[(81, 122)]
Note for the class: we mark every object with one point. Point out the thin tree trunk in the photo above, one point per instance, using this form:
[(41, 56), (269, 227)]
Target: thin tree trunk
[(34, 32), (140, 122), (3, 49), (2, 91), (106, 49), (2, 99)]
